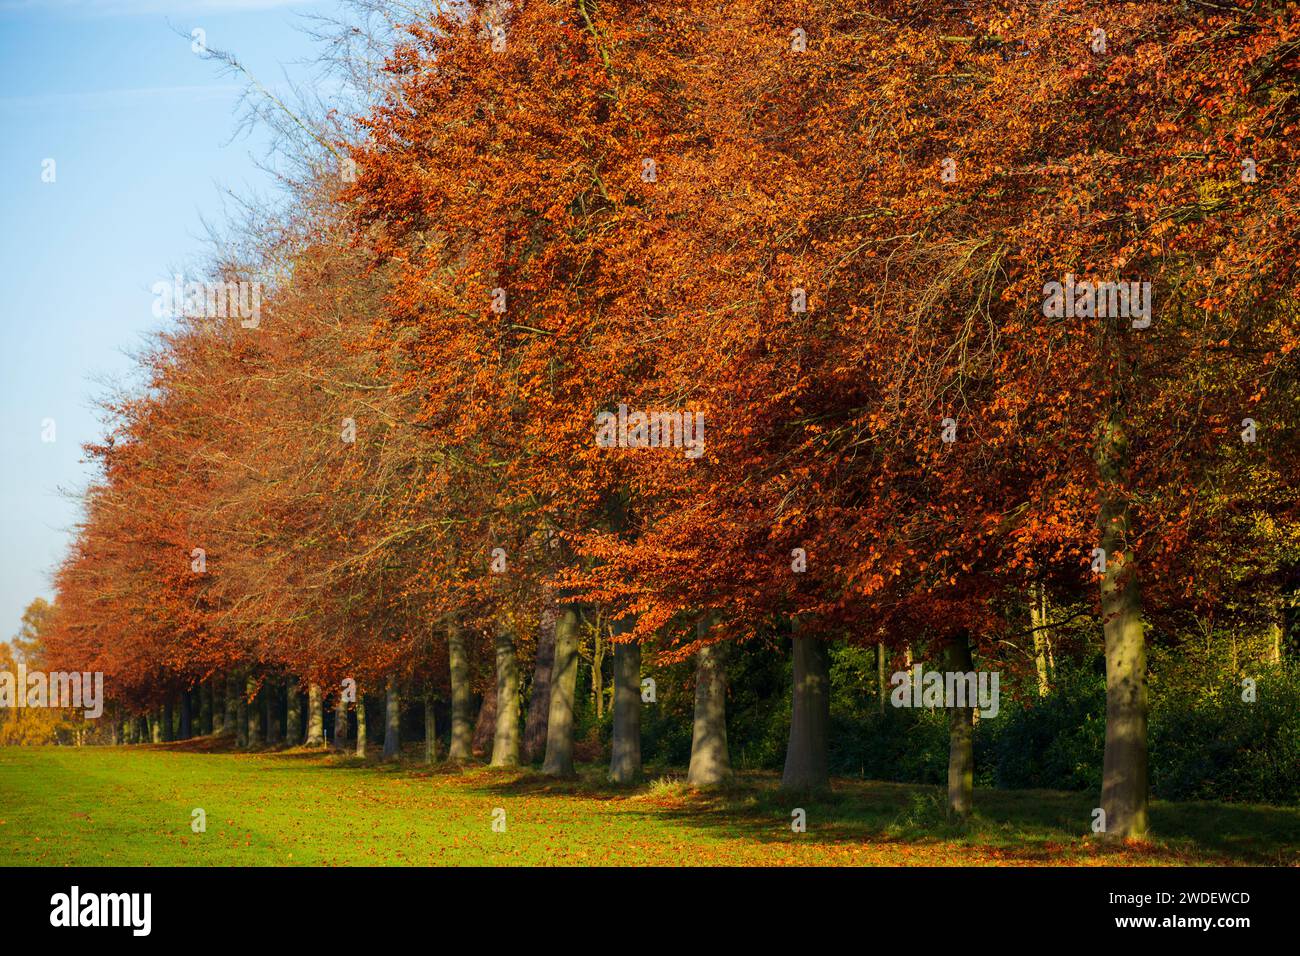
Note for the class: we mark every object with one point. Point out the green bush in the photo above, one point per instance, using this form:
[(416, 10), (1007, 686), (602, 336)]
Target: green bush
[(1206, 743), (1053, 742), (1216, 746)]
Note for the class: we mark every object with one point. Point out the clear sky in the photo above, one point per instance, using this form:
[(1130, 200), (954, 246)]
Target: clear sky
[(140, 130)]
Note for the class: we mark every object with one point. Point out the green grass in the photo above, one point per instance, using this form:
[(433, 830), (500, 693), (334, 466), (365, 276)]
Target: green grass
[(132, 807)]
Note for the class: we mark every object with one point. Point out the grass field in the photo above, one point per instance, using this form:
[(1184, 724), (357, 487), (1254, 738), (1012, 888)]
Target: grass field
[(133, 806)]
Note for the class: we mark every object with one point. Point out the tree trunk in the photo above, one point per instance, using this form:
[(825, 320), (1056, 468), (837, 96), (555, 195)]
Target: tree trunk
[(187, 715), (205, 709), (430, 729), (598, 674), (315, 716), (1288, 616), (361, 725), (392, 720), (806, 767), (462, 697), (168, 721), (253, 713), (625, 752), (234, 716), (539, 703), (564, 681), (271, 692), (1124, 765), (486, 724), (241, 717), (155, 726), (710, 764), (218, 685), (341, 729), (1276, 628), (505, 742), (293, 714), (1042, 636), (882, 682), (961, 735)]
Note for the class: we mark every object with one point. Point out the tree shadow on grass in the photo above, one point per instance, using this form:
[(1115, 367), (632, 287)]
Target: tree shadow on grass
[(1012, 826), (1028, 826), (328, 757), (225, 744)]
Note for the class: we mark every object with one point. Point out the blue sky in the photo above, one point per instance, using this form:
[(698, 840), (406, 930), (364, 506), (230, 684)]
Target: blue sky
[(140, 129)]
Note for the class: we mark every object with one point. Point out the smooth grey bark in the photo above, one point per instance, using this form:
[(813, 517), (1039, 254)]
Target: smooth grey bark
[(341, 728), (1283, 610), (1124, 763), (598, 674), (234, 688), (462, 696), (564, 682), (218, 685), (882, 683), (710, 762), (293, 714), (205, 708), (241, 717), (361, 725), (961, 735), (315, 716), (539, 703), (155, 726), (486, 725), (505, 741), (271, 695), (392, 720), (806, 765), (625, 747), (1042, 636), (253, 713)]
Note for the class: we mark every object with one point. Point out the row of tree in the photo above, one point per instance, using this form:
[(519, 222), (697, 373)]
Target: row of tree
[(822, 235)]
